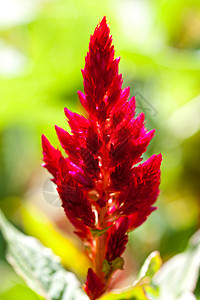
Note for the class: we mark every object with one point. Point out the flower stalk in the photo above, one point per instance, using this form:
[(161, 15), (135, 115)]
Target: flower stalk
[(103, 193)]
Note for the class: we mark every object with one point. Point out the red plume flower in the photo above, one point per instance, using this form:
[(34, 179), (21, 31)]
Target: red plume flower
[(93, 286), (103, 193)]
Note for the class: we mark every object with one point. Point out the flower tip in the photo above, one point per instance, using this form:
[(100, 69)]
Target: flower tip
[(44, 139), (45, 142), (155, 161), (141, 117), (103, 26), (158, 158), (58, 129), (82, 98), (153, 208), (62, 135), (60, 132), (151, 133), (68, 113), (103, 21), (118, 60)]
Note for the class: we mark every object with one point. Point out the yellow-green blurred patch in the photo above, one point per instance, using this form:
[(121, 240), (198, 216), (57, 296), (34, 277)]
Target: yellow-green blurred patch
[(136, 293), (38, 225)]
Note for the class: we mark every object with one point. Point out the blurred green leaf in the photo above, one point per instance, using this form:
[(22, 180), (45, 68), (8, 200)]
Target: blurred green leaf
[(19, 292), (178, 277), (150, 267), (37, 224), (99, 232), (110, 267), (12, 286), (38, 266)]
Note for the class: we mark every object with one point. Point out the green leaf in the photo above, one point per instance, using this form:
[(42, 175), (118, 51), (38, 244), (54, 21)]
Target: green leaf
[(38, 266), (150, 267), (99, 232), (110, 267), (178, 277), (144, 280)]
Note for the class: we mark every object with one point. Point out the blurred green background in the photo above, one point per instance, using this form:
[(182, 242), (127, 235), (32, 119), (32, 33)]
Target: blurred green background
[(42, 49)]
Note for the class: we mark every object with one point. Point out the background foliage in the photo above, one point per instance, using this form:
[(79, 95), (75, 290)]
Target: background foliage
[(42, 49)]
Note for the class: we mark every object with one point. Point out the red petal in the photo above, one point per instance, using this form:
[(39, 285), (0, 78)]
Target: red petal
[(139, 217), (93, 286), (78, 123), (51, 157), (144, 188), (117, 240), (74, 202), (69, 144)]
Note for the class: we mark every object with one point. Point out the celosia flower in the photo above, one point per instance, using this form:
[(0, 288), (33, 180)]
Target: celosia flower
[(103, 193)]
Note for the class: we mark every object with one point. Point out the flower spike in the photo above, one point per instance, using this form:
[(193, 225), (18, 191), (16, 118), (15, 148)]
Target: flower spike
[(103, 193)]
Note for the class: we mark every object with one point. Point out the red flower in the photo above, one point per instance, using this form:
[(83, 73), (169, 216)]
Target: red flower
[(117, 239), (93, 286), (51, 157), (143, 189), (103, 193), (74, 201)]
